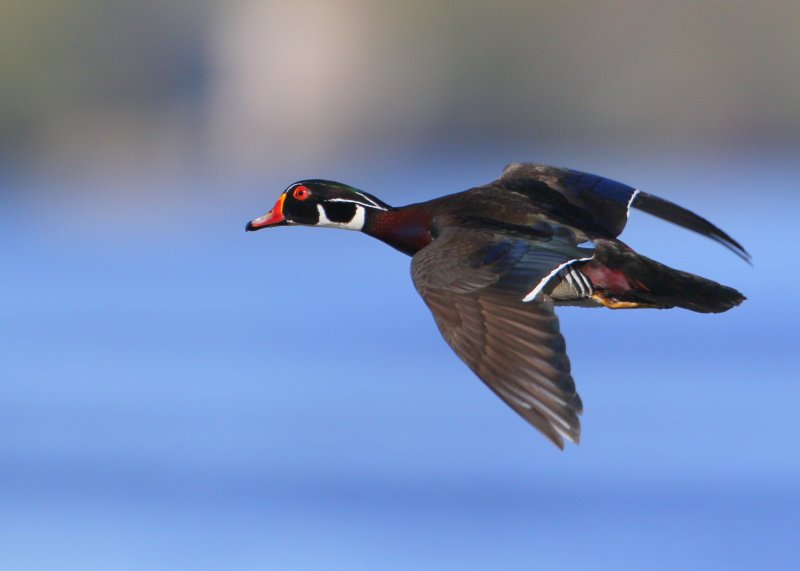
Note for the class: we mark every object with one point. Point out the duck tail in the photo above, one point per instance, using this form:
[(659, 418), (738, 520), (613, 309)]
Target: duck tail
[(623, 278)]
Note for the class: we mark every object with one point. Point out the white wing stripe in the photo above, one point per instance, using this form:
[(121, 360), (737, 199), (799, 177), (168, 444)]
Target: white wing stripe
[(535, 291), (630, 203)]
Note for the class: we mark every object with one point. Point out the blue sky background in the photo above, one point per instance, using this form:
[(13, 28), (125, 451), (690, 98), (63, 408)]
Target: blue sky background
[(180, 394)]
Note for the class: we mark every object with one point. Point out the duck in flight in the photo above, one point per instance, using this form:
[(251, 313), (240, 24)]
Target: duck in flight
[(492, 262)]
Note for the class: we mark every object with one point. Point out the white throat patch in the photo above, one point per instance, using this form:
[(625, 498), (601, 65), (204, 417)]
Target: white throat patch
[(357, 223)]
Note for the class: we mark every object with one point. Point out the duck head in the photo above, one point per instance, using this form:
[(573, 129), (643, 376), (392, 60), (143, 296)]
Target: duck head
[(320, 203)]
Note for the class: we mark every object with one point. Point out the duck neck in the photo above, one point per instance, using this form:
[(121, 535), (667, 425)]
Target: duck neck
[(406, 228)]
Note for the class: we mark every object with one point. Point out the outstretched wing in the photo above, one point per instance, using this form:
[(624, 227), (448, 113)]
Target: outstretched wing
[(671, 212), (600, 205), (474, 281), (592, 203)]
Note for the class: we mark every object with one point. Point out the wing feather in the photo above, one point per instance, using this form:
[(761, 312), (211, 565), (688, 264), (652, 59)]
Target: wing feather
[(600, 205), (671, 212), (515, 348)]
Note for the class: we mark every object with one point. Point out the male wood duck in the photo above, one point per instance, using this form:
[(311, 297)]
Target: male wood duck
[(492, 261)]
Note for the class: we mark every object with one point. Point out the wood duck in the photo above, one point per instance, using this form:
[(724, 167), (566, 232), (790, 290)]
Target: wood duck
[(492, 262)]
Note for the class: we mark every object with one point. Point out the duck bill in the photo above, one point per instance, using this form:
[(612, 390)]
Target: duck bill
[(274, 217)]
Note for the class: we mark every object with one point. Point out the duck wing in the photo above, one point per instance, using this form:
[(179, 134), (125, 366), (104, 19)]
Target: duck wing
[(594, 204), (474, 282), (598, 205), (671, 212)]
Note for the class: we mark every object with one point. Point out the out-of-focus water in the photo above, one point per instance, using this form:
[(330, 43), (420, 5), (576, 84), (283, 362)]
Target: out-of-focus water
[(179, 394)]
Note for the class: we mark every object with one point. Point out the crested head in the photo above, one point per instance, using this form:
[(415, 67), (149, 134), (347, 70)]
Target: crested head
[(325, 203)]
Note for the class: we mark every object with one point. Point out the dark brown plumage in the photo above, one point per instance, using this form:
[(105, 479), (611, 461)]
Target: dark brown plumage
[(492, 262)]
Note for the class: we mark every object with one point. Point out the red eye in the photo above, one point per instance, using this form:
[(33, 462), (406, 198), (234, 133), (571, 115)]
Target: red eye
[(301, 193)]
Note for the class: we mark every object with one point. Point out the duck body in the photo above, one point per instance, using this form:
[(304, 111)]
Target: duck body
[(492, 262)]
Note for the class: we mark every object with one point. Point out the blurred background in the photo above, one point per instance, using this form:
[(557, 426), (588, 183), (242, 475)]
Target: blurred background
[(178, 394)]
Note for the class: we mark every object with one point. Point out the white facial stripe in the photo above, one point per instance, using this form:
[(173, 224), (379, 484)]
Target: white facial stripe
[(540, 286), (367, 202), (357, 223)]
